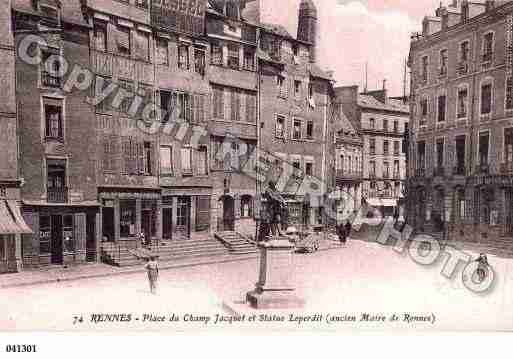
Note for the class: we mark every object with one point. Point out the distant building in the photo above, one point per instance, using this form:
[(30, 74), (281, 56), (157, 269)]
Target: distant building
[(461, 143), (349, 159), (382, 122)]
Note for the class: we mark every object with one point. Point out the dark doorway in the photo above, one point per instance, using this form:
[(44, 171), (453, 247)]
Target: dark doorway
[(108, 223), (228, 213), (57, 257), (183, 217), (167, 223), (91, 238)]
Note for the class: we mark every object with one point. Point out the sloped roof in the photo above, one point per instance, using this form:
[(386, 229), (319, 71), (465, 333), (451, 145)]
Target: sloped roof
[(316, 71), (71, 10), (276, 29), (370, 102), (343, 126)]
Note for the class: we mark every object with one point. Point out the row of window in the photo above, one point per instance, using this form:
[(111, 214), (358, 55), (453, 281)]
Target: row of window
[(233, 104), (463, 58), (302, 165), (349, 164), (386, 173), (440, 152), (386, 147), (282, 84), (374, 125), (222, 53), (386, 190), (486, 102), (297, 130)]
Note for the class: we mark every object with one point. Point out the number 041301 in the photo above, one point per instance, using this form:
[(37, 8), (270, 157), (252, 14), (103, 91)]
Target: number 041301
[(20, 348)]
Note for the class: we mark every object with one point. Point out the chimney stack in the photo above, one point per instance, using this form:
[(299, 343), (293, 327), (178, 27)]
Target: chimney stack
[(307, 26)]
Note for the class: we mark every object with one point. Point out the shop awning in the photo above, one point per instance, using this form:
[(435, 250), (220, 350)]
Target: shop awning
[(11, 221)]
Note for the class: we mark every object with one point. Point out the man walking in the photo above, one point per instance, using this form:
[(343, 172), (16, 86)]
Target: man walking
[(152, 269)]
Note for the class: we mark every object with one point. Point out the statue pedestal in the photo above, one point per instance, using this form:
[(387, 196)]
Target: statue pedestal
[(274, 289)]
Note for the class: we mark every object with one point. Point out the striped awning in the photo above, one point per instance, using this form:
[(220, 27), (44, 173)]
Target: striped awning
[(11, 221)]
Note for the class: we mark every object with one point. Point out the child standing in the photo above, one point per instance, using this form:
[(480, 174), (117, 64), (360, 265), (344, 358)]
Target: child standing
[(153, 273)]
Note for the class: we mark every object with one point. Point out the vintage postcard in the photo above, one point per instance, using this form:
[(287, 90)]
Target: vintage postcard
[(255, 165)]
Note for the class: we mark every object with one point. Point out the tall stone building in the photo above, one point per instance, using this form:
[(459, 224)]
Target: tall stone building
[(12, 225), (138, 116), (461, 143), (296, 115), (382, 122)]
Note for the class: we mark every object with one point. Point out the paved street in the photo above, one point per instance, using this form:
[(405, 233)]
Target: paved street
[(360, 277)]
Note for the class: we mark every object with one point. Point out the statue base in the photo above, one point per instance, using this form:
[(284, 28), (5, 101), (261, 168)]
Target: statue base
[(274, 289)]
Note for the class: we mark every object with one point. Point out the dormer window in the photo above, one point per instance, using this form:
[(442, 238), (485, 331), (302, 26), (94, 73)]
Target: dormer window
[(232, 11)]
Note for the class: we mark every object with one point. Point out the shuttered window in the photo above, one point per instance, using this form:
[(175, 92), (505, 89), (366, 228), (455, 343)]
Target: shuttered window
[(251, 107), (218, 102), (202, 213), (142, 45), (235, 105)]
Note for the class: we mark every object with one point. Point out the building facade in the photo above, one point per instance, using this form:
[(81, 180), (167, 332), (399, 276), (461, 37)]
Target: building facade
[(462, 129), (296, 116), (152, 117), (382, 123), (349, 158), (12, 225)]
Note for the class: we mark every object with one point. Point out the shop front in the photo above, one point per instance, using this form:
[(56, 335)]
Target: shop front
[(62, 235), (186, 213), (12, 226), (126, 214)]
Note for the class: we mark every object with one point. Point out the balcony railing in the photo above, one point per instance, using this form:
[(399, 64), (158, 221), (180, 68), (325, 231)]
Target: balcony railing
[(420, 172), (341, 174), (58, 195), (463, 68), (487, 57), (439, 171), (507, 168), (49, 80), (483, 168), (459, 170)]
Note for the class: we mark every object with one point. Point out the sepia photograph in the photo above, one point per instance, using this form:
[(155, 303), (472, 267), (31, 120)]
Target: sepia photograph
[(255, 166)]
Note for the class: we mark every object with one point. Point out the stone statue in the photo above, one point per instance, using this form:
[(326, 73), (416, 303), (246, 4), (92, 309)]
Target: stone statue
[(271, 214)]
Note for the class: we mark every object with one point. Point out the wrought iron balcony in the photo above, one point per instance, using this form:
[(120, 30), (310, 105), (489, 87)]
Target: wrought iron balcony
[(463, 68), (459, 170), (420, 172), (57, 195), (439, 171), (483, 168), (507, 168), (350, 175), (49, 80)]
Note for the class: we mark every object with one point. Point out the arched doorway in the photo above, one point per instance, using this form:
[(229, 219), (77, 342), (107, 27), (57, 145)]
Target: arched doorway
[(227, 222)]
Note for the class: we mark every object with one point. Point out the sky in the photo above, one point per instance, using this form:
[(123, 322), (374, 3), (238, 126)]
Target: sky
[(353, 32)]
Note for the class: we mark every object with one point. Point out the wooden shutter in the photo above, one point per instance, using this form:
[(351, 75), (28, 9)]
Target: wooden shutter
[(140, 157), (115, 154), (106, 154), (235, 105), (202, 213), (80, 235), (126, 155), (152, 159), (192, 108), (251, 107), (201, 109), (30, 242)]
